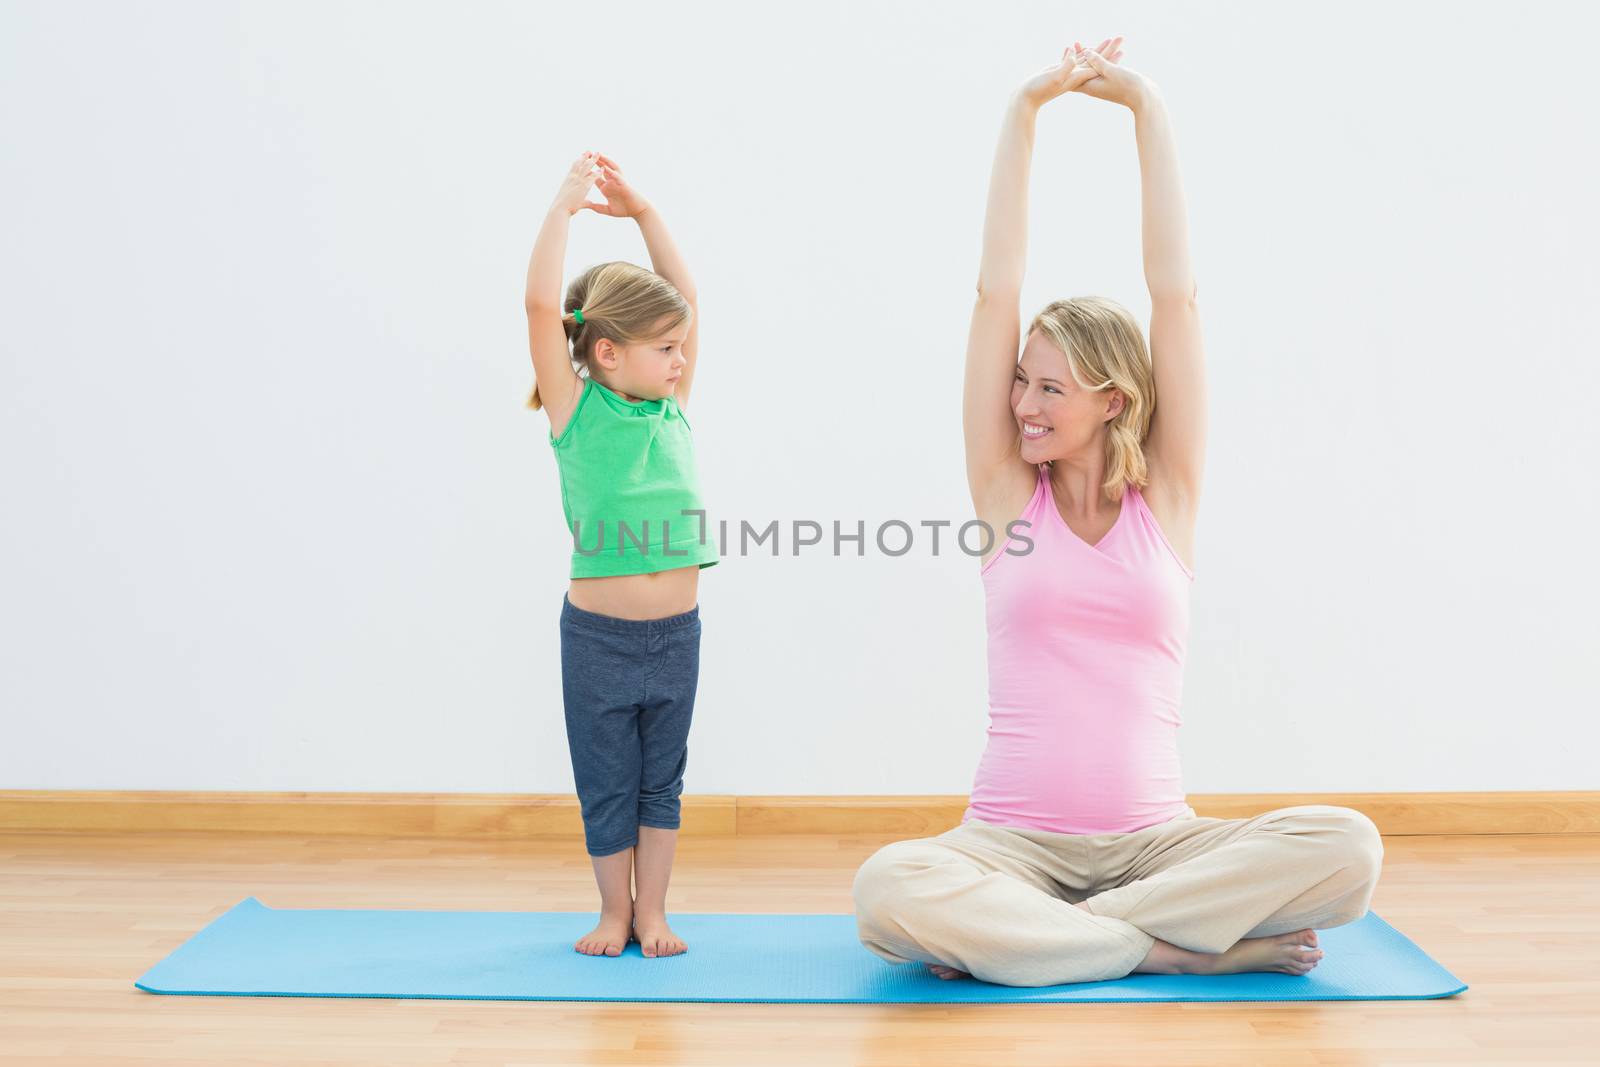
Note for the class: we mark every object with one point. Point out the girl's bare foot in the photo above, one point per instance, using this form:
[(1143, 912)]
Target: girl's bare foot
[(655, 937), (609, 937)]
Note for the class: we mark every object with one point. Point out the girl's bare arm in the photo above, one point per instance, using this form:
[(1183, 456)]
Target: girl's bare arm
[(547, 337)]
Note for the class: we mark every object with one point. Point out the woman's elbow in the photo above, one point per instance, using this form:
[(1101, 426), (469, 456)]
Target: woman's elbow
[(1176, 294)]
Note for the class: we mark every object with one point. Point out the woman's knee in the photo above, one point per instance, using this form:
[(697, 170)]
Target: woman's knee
[(1359, 855), (1349, 838), (1359, 843), (883, 884)]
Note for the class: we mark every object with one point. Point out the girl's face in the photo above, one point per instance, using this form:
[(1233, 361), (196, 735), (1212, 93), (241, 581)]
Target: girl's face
[(648, 370), (1055, 415)]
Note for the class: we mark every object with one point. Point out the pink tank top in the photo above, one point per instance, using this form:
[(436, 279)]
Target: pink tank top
[(1086, 650)]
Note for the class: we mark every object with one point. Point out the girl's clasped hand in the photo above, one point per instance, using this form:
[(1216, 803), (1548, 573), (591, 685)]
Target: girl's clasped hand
[(592, 169)]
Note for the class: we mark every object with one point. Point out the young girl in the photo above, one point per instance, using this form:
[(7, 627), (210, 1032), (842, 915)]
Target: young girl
[(630, 622)]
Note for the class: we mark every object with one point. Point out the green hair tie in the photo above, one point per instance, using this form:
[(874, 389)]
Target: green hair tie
[(578, 314)]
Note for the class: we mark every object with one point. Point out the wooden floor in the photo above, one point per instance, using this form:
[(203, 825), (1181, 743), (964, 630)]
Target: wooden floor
[(81, 916)]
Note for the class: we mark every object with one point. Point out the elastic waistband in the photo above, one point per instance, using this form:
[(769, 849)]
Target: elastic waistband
[(571, 613)]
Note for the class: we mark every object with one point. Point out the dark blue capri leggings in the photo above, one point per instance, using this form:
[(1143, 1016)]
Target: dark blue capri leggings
[(628, 685)]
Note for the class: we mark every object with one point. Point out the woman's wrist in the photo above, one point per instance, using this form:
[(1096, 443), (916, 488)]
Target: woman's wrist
[(1023, 104), (1148, 97)]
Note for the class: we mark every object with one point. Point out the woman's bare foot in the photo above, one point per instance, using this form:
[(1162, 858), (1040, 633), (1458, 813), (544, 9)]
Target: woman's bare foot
[(947, 973), (1295, 953), (655, 937), (609, 937)]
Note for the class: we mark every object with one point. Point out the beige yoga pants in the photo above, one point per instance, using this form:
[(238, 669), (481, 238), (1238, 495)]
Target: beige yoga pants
[(997, 902)]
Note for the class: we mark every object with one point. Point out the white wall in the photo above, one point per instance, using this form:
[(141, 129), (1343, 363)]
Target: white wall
[(276, 518)]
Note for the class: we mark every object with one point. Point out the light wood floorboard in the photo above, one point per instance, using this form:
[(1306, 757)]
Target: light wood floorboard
[(83, 915)]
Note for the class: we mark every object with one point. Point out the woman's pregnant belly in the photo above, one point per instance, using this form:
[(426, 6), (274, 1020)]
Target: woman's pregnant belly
[(1066, 770)]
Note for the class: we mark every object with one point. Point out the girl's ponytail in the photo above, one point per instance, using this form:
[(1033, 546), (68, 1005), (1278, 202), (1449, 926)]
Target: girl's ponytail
[(574, 332)]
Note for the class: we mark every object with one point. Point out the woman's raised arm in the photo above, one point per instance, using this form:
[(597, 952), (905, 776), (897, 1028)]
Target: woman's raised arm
[(1175, 446), (988, 425)]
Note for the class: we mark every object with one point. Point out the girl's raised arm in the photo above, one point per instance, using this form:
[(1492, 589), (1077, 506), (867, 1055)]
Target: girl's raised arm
[(665, 259), (1175, 446), (556, 384)]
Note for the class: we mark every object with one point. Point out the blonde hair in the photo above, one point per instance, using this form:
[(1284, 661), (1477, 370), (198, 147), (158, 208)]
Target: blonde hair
[(622, 303), (1106, 350)]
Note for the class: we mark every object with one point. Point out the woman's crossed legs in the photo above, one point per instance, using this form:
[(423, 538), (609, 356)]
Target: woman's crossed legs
[(1026, 907)]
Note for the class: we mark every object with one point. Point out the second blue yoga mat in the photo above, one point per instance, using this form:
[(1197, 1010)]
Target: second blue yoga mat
[(254, 950)]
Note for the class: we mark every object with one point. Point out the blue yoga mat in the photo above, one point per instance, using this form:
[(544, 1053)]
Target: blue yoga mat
[(254, 950)]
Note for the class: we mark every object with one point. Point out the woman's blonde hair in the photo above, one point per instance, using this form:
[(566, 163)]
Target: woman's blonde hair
[(1106, 350), (622, 303)]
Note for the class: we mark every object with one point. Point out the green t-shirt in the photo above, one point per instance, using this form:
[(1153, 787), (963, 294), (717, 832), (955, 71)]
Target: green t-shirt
[(628, 476)]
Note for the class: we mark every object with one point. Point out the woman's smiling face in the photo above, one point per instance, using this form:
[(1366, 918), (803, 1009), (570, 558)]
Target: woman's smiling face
[(1055, 415)]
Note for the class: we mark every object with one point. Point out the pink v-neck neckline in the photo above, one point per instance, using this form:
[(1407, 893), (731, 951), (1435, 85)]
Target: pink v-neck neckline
[(1050, 501)]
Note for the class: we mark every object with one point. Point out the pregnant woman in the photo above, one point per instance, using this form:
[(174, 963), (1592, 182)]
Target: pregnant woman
[(1078, 858)]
